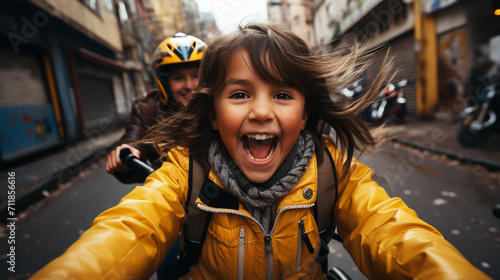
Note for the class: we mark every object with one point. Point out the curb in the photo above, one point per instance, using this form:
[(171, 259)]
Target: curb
[(490, 165), (36, 194)]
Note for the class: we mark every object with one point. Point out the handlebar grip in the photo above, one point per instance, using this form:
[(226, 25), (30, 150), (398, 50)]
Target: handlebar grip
[(496, 211), (139, 167)]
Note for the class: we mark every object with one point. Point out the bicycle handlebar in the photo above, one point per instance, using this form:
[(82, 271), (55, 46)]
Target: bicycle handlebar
[(139, 167), (496, 211)]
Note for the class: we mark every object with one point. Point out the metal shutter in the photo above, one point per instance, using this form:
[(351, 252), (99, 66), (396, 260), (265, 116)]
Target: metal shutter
[(403, 52), (21, 79), (97, 100)]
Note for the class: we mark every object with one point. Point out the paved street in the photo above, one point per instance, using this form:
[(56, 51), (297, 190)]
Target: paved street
[(50, 226), (455, 198)]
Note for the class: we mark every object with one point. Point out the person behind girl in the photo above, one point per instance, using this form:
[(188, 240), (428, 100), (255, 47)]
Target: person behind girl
[(256, 123)]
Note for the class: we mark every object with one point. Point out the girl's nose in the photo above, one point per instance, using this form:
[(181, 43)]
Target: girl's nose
[(191, 83), (261, 110)]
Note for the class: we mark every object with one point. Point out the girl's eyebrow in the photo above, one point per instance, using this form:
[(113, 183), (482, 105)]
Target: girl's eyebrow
[(244, 82), (235, 82)]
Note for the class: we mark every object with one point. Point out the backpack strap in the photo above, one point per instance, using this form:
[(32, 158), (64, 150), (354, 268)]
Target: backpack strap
[(195, 218), (325, 201), (327, 191)]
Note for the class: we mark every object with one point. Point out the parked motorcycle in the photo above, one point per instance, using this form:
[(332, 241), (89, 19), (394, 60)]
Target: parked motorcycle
[(390, 101), (356, 91), (479, 121)]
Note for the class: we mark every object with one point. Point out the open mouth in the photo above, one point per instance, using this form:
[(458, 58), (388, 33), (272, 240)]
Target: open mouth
[(259, 147)]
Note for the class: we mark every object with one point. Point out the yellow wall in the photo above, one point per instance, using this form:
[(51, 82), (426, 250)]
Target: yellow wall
[(170, 15), (427, 82)]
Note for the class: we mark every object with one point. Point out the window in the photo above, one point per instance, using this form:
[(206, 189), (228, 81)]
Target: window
[(131, 7), (92, 4), (122, 12), (108, 4)]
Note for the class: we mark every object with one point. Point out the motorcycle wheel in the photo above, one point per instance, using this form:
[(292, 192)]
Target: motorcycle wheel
[(400, 112), (467, 136), (337, 274)]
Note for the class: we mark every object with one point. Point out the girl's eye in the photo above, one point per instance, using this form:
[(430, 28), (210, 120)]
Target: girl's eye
[(283, 95), (238, 95)]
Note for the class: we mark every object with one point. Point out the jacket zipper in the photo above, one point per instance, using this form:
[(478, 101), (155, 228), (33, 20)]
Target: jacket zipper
[(299, 251), (302, 236), (267, 237), (269, 256), (241, 254), (269, 248)]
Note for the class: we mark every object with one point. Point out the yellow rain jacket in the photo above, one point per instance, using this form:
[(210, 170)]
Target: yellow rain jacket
[(385, 238)]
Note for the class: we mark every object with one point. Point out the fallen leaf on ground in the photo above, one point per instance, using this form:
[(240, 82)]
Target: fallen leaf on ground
[(439, 201)]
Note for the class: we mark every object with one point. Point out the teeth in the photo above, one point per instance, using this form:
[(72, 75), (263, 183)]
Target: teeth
[(260, 136)]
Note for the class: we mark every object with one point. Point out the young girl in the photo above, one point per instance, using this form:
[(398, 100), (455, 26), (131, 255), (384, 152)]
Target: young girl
[(256, 124)]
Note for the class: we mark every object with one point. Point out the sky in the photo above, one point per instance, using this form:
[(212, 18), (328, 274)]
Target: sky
[(229, 13)]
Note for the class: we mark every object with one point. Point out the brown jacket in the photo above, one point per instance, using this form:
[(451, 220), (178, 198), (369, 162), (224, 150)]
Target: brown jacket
[(145, 113)]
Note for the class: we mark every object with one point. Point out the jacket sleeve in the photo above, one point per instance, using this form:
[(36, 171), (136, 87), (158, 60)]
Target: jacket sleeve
[(130, 240), (136, 127), (142, 117), (386, 239)]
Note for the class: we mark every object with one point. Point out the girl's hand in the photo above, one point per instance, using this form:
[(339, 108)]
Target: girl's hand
[(114, 163)]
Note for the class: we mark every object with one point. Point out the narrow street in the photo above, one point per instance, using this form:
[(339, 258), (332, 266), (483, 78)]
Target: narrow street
[(47, 228), (456, 199)]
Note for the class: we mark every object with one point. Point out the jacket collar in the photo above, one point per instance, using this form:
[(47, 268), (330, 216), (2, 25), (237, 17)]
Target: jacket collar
[(213, 195)]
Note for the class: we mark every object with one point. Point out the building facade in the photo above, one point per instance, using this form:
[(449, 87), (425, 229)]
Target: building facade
[(139, 35), (467, 35), (209, 27), (192, 18), (326, 15), (63, 76), (170, 17), (439, 43), (295, 15), (385, 25)]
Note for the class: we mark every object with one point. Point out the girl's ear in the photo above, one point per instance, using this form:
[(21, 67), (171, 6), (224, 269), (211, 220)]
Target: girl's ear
[(304, 121), (213, 121)]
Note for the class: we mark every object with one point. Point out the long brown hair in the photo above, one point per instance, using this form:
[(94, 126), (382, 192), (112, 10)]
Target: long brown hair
[(278, 56)]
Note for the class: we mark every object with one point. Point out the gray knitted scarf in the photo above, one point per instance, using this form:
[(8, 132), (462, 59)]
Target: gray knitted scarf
[(262, 200)]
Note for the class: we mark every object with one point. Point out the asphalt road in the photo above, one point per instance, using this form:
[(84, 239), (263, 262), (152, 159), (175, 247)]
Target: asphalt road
[(48, 228), (456, 199)]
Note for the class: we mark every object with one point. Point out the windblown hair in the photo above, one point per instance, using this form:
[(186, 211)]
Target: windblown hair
[(279, 57)]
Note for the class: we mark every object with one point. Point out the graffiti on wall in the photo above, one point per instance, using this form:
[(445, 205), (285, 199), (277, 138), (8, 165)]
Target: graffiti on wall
[(452, 67), (25, 129)]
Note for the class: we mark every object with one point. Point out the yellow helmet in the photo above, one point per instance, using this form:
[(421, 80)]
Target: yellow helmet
[(181, 50)]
